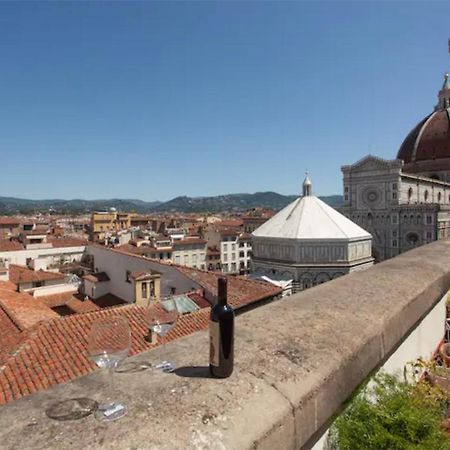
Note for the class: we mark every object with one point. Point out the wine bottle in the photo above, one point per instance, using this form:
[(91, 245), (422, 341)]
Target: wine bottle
[(221, 335)]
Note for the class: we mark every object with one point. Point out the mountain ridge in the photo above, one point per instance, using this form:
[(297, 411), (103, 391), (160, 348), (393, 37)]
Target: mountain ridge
[(227, 202)]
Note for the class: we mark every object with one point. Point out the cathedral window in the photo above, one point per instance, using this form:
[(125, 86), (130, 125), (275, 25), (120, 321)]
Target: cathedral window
[(410, 193), (412, 238)]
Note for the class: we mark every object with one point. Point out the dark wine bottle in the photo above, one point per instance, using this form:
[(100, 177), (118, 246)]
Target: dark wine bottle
[(221, 335)]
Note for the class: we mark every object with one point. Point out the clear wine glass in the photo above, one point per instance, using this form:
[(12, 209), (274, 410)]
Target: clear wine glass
[(109, 343), (161, 317)]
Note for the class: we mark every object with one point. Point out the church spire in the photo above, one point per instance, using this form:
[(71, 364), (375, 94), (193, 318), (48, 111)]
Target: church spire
[(307, 186)]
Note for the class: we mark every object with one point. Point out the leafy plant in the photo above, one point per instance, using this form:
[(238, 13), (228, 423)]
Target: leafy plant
[(389, 414)]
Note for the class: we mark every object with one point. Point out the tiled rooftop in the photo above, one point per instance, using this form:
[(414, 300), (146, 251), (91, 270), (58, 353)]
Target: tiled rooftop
[(55, 351), (241, 291), (22, 274), (7, 245), (23, 309)]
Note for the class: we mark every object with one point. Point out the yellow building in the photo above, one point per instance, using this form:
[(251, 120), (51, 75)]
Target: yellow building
[(103, 223), (147, 286)]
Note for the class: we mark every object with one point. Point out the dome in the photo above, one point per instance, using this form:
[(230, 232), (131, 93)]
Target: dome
[(308, 217), (426, 149), (429, 140)]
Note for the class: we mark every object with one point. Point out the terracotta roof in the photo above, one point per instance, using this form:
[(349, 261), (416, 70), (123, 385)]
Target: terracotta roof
[(66, 242), (230, 223), (82, 306), (142, 250), (23, 309), (10, 335), (190, 241), (245, 237), (241, 291), (56, 351), (199, 300), (8, 246), (9, 221), (54, 300), (22, 274), (72, 300), (97, 277)]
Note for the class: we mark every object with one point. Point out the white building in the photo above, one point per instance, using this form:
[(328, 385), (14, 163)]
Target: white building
[(309, 242), (45, 256)]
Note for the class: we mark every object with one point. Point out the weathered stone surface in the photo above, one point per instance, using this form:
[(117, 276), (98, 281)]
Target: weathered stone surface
[(297, 361)]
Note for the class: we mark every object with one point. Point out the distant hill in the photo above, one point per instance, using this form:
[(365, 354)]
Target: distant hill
[(10, 205), (232, 202)]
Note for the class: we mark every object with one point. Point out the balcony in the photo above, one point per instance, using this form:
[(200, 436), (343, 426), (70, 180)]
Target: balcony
[(297, 360)]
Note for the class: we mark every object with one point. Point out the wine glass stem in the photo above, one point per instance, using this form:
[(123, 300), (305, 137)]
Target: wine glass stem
[(111, 382)]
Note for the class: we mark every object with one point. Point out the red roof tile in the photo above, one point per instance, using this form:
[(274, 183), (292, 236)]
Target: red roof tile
[(23, 309), (241, 291), (8, 246), (9, 221), (10, 335), (22, 274), (66, 242), (56, 351)]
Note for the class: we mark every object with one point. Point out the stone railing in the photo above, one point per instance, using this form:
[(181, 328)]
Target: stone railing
[(297, 360)]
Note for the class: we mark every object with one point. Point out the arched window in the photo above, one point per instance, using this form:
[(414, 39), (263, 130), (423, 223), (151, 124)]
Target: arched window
[(410, 193), (426, 195), (439, 197)]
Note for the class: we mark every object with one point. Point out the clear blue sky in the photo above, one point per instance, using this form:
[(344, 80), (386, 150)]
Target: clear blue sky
[(153, 100)]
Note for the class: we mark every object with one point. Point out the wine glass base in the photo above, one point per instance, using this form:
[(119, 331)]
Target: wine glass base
[(110, 412), (166, 367)]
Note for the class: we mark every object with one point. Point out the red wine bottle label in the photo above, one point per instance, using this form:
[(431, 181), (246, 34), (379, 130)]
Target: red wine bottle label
[(214, 336)]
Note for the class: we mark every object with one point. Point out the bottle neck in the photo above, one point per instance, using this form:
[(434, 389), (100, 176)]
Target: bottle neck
[(222, 291)]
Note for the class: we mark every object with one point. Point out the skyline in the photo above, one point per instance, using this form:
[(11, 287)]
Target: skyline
[(153, 101)]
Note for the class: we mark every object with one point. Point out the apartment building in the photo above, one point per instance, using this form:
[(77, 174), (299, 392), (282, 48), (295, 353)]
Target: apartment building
[(106, 223), (9, 226)]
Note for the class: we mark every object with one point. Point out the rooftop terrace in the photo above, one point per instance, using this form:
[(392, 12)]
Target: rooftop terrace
[(296, 361)]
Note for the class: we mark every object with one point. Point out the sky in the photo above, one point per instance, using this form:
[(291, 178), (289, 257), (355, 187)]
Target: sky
[(152, 100)]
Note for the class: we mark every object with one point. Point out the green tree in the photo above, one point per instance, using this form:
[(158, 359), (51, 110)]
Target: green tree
[(392, 415)]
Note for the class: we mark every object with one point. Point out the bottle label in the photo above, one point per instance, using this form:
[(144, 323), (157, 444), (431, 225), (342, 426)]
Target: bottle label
[(214, 335)]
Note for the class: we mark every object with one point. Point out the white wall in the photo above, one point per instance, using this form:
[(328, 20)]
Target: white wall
[(422, 342), (20, 256), (116, 264), (96, 290)]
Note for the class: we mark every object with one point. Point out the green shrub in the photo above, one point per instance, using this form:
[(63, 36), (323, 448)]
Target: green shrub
[(391, 415)]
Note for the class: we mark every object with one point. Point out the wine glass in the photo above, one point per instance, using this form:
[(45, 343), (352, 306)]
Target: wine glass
[(109, 342), (161, 317)]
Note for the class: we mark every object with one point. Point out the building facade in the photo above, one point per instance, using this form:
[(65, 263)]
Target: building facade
[(405, 202), (309, 243)]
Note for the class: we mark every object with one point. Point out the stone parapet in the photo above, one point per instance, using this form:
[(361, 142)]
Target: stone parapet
[(297, 360)]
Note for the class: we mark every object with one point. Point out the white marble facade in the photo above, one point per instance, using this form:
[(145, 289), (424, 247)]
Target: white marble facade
[(310, 243), (400, 210)]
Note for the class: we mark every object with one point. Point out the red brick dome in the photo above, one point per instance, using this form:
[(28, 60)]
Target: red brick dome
[(429, 140), (426, 149)]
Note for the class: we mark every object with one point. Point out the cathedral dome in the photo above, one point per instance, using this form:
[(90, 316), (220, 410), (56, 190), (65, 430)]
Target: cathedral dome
[(426, 149)]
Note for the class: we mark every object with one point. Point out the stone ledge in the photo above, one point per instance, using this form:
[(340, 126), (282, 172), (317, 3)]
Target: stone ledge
[(297, 360)]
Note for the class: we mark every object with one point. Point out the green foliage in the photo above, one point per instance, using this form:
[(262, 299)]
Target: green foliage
[(392, 415)]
